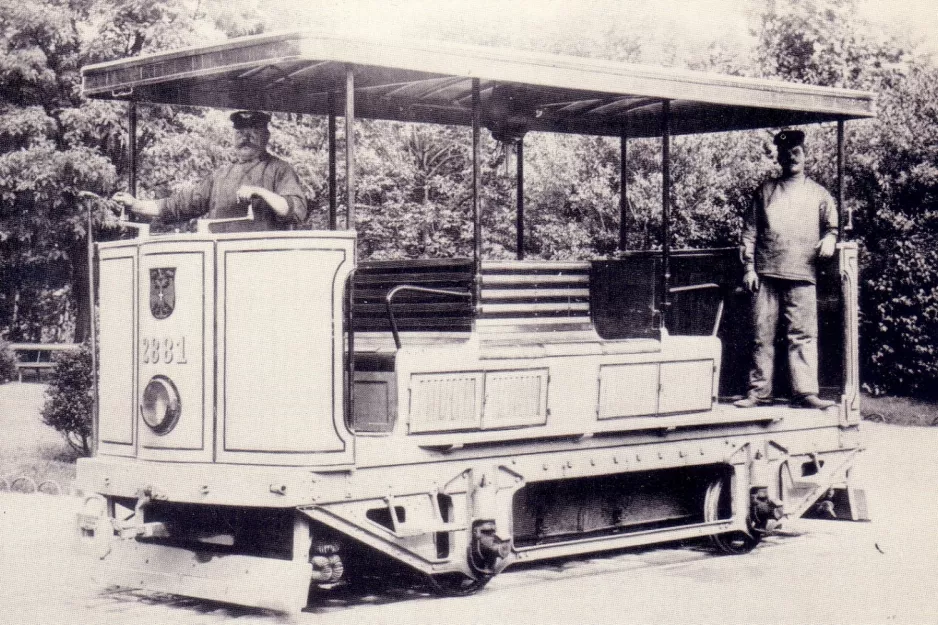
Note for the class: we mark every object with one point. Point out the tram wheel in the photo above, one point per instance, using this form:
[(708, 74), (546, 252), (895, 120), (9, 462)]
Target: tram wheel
[(457, 584), (717, 506)]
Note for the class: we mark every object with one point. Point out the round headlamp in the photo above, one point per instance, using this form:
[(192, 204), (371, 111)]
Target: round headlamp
[(160, 406)]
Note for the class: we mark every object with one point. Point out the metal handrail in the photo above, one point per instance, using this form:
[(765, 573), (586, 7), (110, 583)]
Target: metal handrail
[(389, 299), (350, 354), (694, 287)]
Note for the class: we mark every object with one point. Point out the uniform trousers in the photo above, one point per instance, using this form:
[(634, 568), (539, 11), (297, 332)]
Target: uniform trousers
[(796, 303)]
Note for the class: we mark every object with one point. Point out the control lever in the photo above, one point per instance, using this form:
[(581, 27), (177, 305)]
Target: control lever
[(204, 226), (143, 230)]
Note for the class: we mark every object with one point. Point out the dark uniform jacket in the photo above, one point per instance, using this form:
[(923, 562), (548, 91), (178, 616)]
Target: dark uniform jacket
[(782, 229), (216, 196)]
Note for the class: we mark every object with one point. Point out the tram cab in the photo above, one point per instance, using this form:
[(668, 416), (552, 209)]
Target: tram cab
[(275, 413)]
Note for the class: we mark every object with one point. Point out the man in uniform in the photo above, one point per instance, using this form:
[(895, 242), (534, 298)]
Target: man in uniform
[(269, 183), (792, 224)]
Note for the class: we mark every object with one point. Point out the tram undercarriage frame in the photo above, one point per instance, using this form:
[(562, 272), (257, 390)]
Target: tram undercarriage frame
[(547, 505)]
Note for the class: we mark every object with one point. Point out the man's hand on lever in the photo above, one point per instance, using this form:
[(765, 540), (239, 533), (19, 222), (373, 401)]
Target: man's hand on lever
[(149, 208), (276, 202), (125, 199)]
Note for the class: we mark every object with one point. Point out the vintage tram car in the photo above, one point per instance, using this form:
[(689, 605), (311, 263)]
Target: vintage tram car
[(272, 411)]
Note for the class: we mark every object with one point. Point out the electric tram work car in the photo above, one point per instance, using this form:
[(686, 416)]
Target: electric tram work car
[(273, 413)]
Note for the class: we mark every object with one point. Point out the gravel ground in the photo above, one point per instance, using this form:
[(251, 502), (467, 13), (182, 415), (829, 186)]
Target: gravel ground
[(28, 447), (885, 571)]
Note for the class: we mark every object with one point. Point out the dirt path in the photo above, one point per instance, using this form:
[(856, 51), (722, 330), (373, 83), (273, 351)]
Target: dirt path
[(28, 447)]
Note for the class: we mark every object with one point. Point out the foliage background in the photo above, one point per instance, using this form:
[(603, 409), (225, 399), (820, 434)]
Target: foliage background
[(7, 363), (414, 180)]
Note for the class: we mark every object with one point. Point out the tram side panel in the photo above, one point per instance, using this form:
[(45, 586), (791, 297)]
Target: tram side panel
[(243, 339), (280, 351), (485, 390), (221, 366), (117, 340)]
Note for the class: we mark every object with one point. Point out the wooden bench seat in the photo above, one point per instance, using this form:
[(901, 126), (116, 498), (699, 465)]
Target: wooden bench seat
[(38, 357), (531, 308), (430, 303), (528, 311), (375, 351)]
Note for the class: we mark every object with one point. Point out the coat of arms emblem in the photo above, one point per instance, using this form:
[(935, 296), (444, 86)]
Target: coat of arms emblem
[(162, 292)]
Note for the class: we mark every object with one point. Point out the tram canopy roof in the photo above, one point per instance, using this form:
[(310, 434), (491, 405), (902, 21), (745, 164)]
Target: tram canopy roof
[(431, 82)]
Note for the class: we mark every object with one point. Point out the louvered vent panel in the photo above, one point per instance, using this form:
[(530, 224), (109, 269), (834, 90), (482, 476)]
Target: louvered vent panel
[(445, 402), (515, 398)]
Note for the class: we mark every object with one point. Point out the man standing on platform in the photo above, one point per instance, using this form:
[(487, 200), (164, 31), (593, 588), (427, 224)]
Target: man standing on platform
[(270, 184), (792, 224)]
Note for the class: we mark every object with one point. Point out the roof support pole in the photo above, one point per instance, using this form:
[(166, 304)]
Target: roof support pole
[(132, 144), (476, 188), (848, 224), (332, 163), (519, 216), (93, 328), (623, 187), (350, 147), (665, 209)]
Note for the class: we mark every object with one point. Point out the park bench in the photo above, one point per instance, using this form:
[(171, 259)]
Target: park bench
[(38, 357)]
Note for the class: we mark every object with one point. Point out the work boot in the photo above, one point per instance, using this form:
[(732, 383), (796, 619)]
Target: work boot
[(812, 401), (751, 401)]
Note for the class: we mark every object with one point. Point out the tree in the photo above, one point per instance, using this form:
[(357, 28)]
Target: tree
[(414, 188), (54, 144), (823, 43), (414, 191), (39, 174)]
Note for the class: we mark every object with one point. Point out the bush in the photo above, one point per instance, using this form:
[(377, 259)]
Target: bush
[(70, 398), (895, 180), (7, 363), (900, 314)]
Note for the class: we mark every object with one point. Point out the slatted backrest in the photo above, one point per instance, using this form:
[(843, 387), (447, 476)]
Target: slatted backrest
[(693, 312), (627, 298), (535, 296), (413, 311), (624, 297)]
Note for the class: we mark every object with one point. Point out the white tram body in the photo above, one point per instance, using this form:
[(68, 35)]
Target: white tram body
[(274, 413)]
